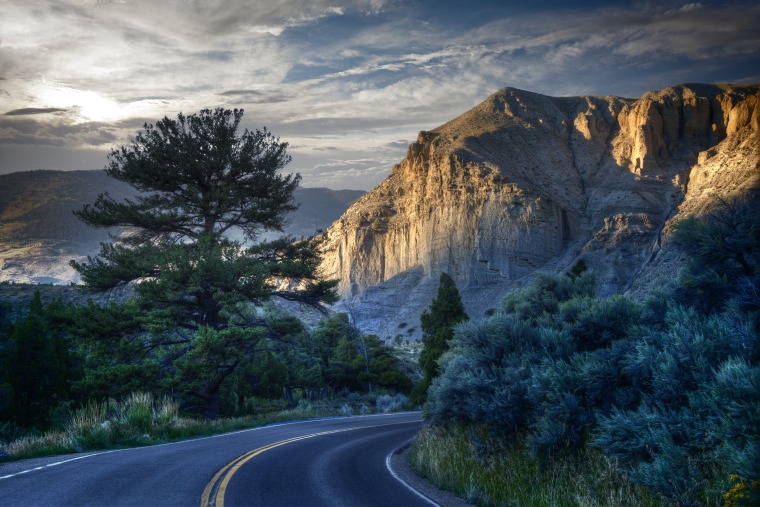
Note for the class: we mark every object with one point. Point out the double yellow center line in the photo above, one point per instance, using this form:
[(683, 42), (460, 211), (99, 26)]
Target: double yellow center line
[(213, 494)]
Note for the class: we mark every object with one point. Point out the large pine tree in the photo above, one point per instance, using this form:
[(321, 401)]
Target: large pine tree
[(201, 181)]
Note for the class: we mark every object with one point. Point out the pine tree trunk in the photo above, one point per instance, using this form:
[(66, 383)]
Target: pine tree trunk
[(213, 403), (289, 397), (240, 403)]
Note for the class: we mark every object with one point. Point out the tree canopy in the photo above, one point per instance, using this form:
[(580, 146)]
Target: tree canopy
[(36, 365), (199, 177), (202, 183)]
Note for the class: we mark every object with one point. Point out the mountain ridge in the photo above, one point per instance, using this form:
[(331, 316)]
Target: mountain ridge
[(521, 183), (39, 233), (525, 182)]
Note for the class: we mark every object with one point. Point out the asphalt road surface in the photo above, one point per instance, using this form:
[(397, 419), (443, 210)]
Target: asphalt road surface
[(328, 462)]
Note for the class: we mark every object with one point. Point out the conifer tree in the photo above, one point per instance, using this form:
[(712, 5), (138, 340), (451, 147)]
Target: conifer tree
[(200, 180), (438, 323), (36, 367)]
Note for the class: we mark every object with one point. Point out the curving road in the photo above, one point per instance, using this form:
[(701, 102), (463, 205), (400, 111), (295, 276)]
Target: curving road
[(335, 462)]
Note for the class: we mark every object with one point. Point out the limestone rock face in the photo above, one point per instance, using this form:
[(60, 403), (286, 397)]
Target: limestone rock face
[(525, 182)]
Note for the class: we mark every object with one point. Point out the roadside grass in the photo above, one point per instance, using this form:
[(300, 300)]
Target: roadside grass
[(142, 420), (512, 477)]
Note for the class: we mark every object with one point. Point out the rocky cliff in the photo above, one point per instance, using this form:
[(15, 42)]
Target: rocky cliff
[(525, 182)]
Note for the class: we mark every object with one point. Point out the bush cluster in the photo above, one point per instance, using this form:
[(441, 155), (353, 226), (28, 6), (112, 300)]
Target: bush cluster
[(138, 418), (673, 400), (668, 388)]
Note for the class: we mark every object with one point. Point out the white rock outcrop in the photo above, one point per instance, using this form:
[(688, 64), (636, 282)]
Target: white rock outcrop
[(525, 182)]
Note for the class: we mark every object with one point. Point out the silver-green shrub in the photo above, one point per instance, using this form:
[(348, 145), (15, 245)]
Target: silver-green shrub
[(669, 393)]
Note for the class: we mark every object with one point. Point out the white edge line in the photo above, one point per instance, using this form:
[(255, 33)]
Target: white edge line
[(402, 481), (257, 428), (54, 464)]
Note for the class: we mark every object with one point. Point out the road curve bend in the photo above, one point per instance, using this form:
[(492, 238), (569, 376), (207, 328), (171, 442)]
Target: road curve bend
[(335, 462)]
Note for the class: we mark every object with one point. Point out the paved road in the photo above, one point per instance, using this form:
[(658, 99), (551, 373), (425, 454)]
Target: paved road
[(332, 462)]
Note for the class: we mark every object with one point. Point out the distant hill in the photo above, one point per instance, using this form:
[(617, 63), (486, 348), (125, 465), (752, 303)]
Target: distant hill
[(39, 233), (318, 209)]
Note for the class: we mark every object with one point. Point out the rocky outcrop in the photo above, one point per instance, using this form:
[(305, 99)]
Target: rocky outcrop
[(525, 182)]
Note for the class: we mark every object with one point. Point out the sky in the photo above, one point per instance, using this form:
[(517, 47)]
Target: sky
[(347, 83)]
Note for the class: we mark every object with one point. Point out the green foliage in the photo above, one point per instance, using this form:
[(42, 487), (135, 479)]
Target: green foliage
[(200, 326), (263, 377), (743, 493), (724, 256), (36, 365), (519, 377), (120, 355), (386, 403), (142, 419), (445, 312), (190, 327), (735, 395), (199, 177), (703, 410), (596, 323), (545, 294), (666, 391), (578, 269), (486, 376), (350, 361)]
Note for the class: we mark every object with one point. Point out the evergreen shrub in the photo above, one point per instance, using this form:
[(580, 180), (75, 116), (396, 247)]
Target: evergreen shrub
[(669, 393)]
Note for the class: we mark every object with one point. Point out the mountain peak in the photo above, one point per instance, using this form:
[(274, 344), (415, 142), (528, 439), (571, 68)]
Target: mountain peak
[(525, 182)]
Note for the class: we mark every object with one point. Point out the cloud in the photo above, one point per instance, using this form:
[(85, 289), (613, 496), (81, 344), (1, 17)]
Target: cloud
[(401, 143), (31, 130), (258, 96), (347, 173), (338, 79), (651, 33), (691, 7), (35, 110)]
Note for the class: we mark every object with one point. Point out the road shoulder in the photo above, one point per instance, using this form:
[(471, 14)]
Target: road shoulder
[(399, 463)]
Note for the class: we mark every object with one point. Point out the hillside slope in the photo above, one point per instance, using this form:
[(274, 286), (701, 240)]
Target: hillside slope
[(525, 182), (39, 233)]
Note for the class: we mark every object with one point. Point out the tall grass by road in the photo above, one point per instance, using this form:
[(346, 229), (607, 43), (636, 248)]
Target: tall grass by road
[(142, 419), (510, 476)]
